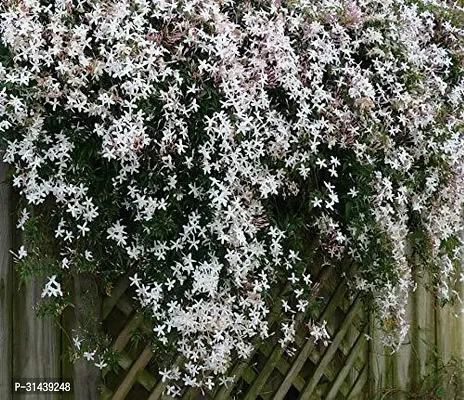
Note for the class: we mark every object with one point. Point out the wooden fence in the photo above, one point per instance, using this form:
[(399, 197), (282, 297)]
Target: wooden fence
[(353, 366), (29, 347)]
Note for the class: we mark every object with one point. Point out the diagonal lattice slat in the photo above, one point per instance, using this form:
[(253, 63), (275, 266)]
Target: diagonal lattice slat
[(338, 371)]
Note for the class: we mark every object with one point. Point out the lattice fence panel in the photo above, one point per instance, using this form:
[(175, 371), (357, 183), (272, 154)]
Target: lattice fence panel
[(338, 371)]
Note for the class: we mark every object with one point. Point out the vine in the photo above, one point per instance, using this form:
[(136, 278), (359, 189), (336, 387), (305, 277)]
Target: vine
[(215, 150)]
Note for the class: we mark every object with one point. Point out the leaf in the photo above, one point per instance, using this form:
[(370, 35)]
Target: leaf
[(348, 208)]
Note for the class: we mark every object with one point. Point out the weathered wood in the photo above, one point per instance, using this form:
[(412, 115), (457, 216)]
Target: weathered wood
[(402, 360), (433, 339), (378, 360), (36, 340), (283, 365), (110, 302), (422, 333), (161, 386), (330, 352), (348, 367), (259, 382), (356, 390), (88, 316), (459, 309), (224, 392), (450, 346), (6, 285), (67, 366), (340, 371), (106, 394), (305, 351), (131, 376), (460, 342)]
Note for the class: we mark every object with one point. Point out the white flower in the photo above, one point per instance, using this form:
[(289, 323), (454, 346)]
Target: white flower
[(319, 332), (194, 195), (165, 375), (321, 163), (173, 390), (77, 342), (23, 219), (117, 233), (353, 192), (22, 252), (301, 305), (89, 356), (333, 172), (65, 263), (135, 280), (316, 202), (101, 364), (83, 229), (334, 161), (88, 255), (52, 288)]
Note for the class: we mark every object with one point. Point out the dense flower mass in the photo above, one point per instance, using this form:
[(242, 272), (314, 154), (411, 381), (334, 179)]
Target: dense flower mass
[(206, 145)]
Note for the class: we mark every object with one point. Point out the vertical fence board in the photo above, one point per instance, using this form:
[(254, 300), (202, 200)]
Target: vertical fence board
[(87, 315), (460, 335), (401, 360), (435, 339), (450, 346), (380, 372), (36, 340), (422, 334), (67, 367), (6, 285)]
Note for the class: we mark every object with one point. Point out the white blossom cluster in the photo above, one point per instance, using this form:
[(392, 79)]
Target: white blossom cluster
[(207, 113)]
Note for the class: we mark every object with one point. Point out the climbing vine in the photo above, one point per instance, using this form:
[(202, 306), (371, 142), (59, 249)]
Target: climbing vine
[(215, 149)]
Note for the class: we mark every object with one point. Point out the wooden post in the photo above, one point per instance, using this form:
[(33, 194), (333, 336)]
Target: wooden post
[(450, 344), (36, 340), (460, 340), (6, 285), (88, 315)]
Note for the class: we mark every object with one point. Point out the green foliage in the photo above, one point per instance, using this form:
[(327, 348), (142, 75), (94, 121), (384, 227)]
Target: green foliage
[(442, 380), (54, 306)]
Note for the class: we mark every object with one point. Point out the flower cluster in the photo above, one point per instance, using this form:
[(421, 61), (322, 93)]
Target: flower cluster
[(198, 141)]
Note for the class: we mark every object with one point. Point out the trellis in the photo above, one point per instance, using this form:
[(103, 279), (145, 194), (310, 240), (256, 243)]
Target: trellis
[(351, 367), (338, 371)]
